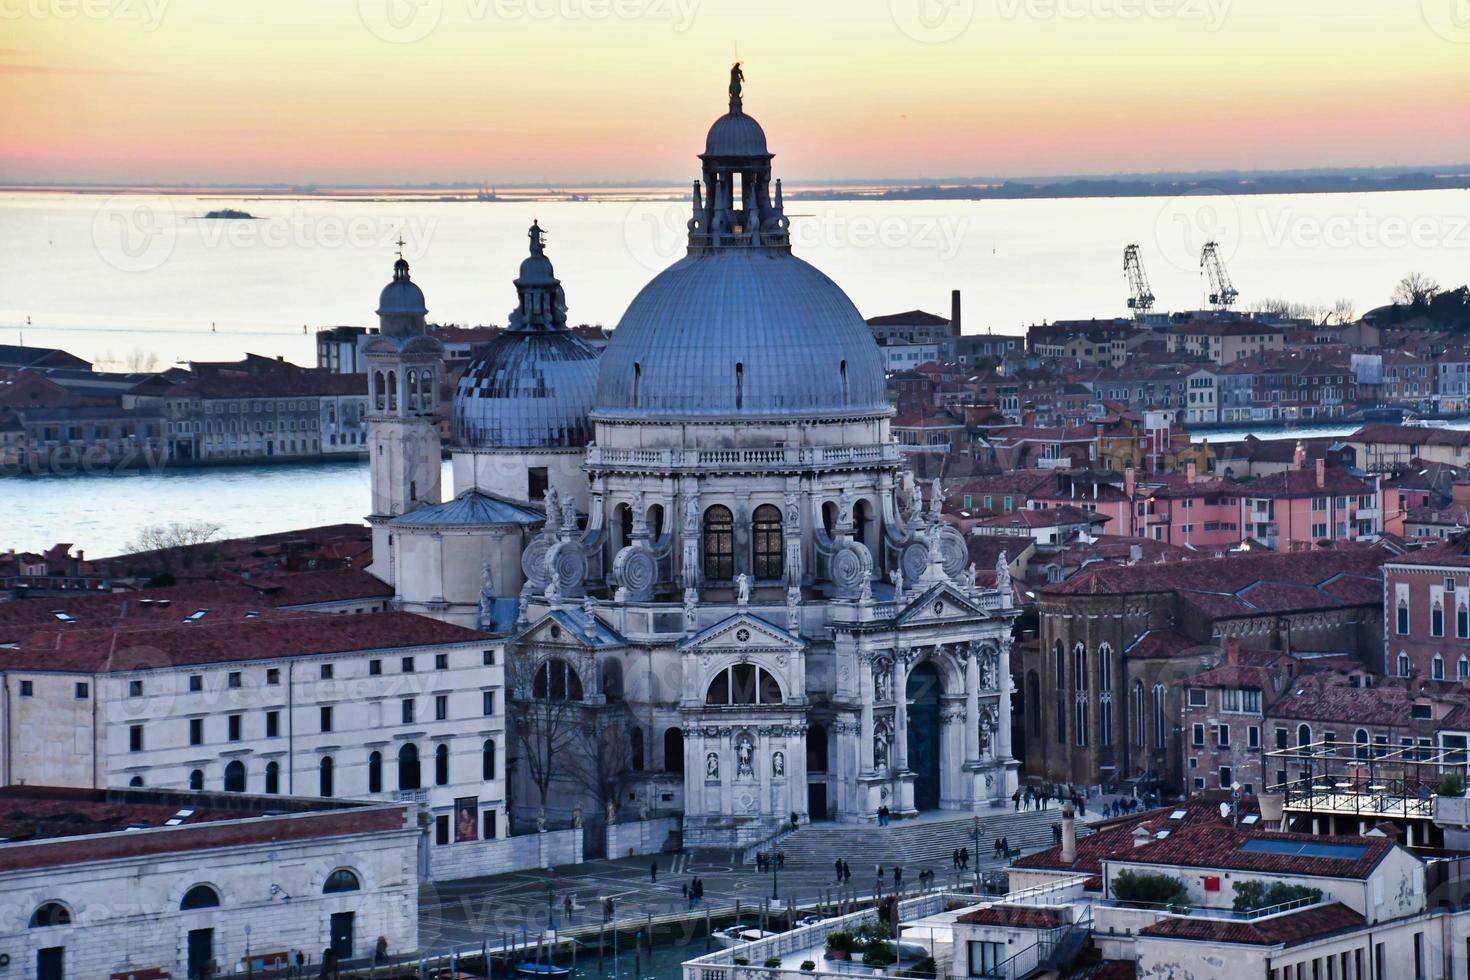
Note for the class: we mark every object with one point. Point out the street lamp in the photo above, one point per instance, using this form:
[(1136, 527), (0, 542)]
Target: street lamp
[(775, 879), (976, 853)]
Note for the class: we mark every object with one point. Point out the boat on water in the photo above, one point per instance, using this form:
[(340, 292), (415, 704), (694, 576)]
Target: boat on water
[(233, 214), (543, 971), (739, 935)]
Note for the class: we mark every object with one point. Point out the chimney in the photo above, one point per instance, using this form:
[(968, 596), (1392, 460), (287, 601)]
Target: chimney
[(954, 312), (1191, 471), (1299, 458), (1130, 479), (1321, 472), (1232, 651), (1141, 836), (1069, 834), (1460, 492)]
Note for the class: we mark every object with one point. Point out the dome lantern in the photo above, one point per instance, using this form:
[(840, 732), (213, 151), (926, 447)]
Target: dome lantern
[(736, 164)]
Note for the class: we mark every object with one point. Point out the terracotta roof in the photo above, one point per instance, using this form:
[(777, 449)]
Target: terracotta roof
[(1289, 929), (1412, 435), (1224, 847), (1113, 838), (232, 638), (1453, 553), (1049, 517), (1018, 916), (1163, 644), (1303, 483)]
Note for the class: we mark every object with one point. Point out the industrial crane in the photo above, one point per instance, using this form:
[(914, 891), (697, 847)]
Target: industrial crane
[(1142, 299), (1222, 293)]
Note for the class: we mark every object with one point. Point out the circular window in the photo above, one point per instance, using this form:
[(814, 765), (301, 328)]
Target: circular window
[(555, 632), (938, 608), (742, 634)]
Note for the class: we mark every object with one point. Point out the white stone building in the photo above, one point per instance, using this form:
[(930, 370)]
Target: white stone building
[(734, 585), (122, 883), (387, 706)]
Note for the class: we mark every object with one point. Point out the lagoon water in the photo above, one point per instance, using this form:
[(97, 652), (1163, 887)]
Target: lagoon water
[(123, 278)]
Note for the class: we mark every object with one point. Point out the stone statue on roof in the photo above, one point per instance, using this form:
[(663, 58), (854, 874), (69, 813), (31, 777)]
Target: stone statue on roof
[(737, 78)]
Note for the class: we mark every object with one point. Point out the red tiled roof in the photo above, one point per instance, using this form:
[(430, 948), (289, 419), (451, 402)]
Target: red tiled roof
[(1197, 846), (1018, 916), (1229, 575), (132, 644), (1303, 483), (1315, 922)]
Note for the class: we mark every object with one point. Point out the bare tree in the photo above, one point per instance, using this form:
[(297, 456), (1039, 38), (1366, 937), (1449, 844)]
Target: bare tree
[(1344, 311), (1415, 289), (604, 759), (549, 717), (173, 545), (140, 361)]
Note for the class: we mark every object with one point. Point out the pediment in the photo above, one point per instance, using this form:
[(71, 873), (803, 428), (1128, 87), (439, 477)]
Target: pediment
[(939, 603), (742, 631)]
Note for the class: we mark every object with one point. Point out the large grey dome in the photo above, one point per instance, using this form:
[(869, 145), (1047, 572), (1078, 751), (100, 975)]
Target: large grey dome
[(736, 333)]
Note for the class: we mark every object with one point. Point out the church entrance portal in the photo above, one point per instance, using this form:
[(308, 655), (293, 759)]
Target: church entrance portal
[(923, 733)]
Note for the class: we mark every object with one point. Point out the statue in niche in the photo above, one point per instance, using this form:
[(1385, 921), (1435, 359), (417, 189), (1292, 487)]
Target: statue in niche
[(742, 589), (712, 766), (487, 597), (778, 764), (882, 672), (880, 749), (897, 578), (744, 757)]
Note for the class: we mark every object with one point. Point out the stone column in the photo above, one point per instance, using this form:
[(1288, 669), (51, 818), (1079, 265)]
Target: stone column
[(865, 698), (1003, 705), (972, 704), (438, 560), (900, 714)]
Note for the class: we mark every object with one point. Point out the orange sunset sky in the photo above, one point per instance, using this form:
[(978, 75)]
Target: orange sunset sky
[(566, 91)]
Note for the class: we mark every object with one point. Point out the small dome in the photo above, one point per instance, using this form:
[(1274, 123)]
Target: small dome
[(736, 135), (400, 298), (530, 389)]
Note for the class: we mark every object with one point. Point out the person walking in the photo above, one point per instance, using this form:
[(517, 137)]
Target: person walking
[(897, 878), (1016, 799), (837, 866), (566, 907), (846, 872), (653, 871), (954, 858), (380, 952), (997, 847), (965, 858), (780, 860)]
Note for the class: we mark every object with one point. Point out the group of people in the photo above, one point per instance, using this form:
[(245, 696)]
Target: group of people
[(960, 858), (1120, 806), (844, 873), (1002, 846), (693, 891), (764, 861), (1028, 797), (885, 816)]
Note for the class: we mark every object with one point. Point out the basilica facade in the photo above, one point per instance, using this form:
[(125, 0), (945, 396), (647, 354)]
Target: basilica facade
[(726, 598)]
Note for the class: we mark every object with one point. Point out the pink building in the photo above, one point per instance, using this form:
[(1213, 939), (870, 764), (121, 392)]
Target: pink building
[(1299, 509)]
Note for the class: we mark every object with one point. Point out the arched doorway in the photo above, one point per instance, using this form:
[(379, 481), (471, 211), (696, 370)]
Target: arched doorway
[(922, 692)]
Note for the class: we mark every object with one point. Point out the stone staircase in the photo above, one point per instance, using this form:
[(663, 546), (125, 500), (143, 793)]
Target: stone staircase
[(925, 843)]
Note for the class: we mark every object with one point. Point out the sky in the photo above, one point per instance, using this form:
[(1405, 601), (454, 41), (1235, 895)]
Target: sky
[(574, 91)]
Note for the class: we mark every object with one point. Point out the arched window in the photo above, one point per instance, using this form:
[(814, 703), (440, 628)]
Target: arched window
[(1462, 619), (428, 394), (196, 780), (1436, 667), (324, 776), (622, 527), (135, 782), (413, 390), (842, 373), (1079, 695), (199, 897), (1462, 669), (769, 556), (392, 391), (1303, 735), (1033, 703), (1160, 717), (487, 760), (50, 914), (719, 544), (1105, 694), (635, 744), (441, 765), (862, 517), (375, 772), (637, 382), (272, 777), (235, 777), (556, 680), (1360, 743), (1140, 735), (1403, 665), (611, 670), (341, 880), (380, 391), (1059, 654), (739, 386), (744, 684), (408, 766), (1436, 619)]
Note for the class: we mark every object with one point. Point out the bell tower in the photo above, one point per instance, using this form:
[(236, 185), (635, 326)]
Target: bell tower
[(405, 368)]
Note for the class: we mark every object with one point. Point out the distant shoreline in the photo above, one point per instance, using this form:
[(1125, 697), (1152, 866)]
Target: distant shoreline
[(1002, 190)]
